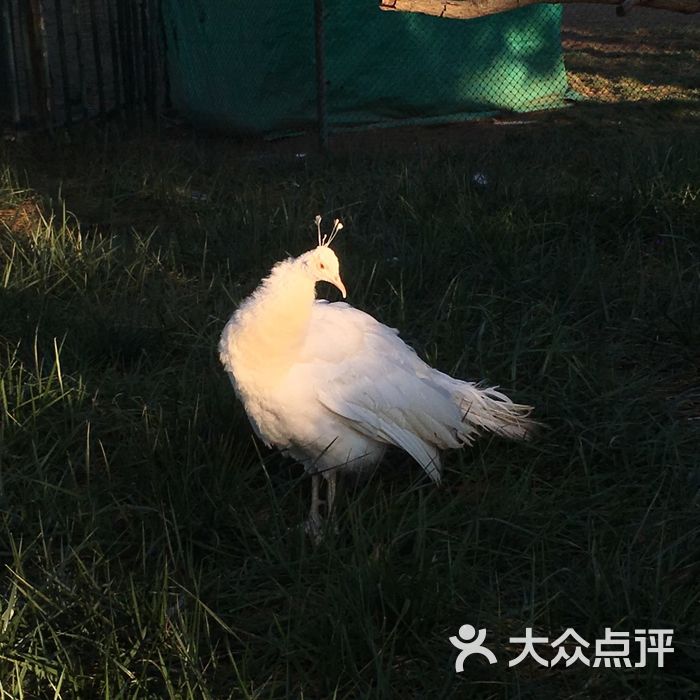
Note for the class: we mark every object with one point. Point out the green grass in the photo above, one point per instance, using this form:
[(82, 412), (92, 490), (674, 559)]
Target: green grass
[(149, 545)]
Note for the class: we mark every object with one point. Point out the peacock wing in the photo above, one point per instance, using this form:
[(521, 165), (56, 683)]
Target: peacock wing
[(374, 381)]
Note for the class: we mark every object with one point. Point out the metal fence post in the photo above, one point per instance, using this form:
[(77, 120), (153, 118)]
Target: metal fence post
[(11, 62), (63, 62), (321, 114)]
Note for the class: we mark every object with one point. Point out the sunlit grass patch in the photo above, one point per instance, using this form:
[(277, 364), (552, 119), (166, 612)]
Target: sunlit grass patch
[(651, 57)]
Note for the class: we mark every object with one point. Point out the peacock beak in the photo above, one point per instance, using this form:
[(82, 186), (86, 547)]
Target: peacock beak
[(339, 283)]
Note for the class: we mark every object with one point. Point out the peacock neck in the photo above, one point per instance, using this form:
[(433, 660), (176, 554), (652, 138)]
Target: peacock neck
[(274, 322)]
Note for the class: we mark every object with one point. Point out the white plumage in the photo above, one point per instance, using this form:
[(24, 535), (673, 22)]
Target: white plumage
[(332, 387)]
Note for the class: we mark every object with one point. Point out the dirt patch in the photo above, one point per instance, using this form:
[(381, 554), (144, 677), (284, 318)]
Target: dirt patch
[(21, 218), (649, 55)]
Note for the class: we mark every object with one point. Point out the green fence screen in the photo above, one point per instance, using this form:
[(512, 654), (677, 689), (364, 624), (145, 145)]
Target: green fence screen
[(250, 67)]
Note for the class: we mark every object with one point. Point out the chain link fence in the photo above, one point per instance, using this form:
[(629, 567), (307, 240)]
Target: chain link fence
[(235, 70), (63, 61)]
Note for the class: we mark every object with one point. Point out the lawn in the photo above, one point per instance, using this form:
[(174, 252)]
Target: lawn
[(150, 545)]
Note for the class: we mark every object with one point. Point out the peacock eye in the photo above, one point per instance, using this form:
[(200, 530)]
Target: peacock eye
[(322, 266)]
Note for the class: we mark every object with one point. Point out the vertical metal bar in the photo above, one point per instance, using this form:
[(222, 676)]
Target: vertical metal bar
[(97, 52), (138, 57), (145, 71), (117, 86), (149, 41), (131, 51), (43, 72), (126, 54), (25, 63), (79, 58), (321, 115), (145, 56), (65, 81), (11, 61), (163, 75)]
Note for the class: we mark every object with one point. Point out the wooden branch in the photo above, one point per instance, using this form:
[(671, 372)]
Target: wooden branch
[(468, 9)]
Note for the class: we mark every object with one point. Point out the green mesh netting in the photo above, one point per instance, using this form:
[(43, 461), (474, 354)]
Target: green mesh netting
[(250, 67)]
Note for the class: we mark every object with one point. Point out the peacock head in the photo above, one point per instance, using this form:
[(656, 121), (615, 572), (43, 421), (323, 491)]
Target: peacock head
[(322, 266), (321, 263)]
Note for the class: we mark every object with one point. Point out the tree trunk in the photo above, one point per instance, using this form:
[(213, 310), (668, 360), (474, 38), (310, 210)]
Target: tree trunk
[(468, 9)]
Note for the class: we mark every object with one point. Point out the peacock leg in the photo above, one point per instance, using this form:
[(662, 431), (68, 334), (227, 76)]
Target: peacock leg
[(330, 493), (330, 498), (313, 522)]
